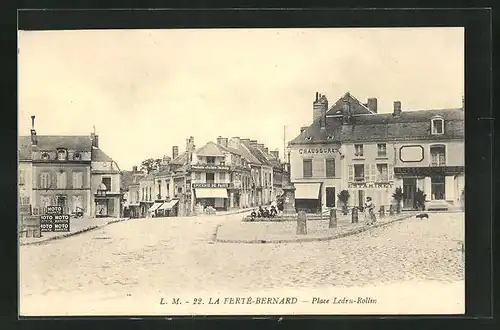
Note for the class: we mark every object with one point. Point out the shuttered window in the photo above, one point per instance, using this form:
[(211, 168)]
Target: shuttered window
[(77, 180), (45, 180), (373, 171), (307, 168), (390, 172), (351, 173), (61, 180), (330, 168), (367, 172)]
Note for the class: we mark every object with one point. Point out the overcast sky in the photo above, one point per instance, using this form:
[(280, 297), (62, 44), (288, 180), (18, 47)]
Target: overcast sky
[(147, 90)]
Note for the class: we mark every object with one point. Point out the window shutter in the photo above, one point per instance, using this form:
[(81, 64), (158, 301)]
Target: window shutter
[(367, 172), (390, 171), (373, 169), (351, 173)]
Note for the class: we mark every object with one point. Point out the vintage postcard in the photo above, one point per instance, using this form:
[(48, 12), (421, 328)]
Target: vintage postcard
[(241, 172)]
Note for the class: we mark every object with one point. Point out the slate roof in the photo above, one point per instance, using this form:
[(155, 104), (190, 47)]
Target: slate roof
[(70, 142), (180, 159), (210, 149), (259, 154), (410, 125), (24, 148), (100, 156), (357, 107), (247, 154)]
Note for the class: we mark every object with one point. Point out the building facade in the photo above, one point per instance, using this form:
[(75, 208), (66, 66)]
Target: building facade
[(350, 146), (106, 197), (25, 171)]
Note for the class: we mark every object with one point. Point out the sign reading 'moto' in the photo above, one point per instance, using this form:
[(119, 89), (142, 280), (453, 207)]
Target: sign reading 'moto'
[(54, 220)]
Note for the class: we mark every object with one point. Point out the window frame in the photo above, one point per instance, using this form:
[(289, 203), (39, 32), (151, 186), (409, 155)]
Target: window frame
[(64, 152), (110, 182), (309, 161), (361, 148), (379, 154), (434, 120), (435, 146), (363, 174), (326, 167)]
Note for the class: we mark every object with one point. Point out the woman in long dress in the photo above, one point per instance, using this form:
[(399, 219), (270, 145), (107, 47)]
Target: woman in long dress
[(369, 211)]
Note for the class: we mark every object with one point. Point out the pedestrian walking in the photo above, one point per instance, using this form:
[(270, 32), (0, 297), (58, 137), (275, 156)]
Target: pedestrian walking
[(369, 210)]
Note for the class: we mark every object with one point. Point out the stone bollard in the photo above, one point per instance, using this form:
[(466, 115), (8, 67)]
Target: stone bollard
[(391, 210), (382, 211), (333, 218), (354, 215), (301, 223)]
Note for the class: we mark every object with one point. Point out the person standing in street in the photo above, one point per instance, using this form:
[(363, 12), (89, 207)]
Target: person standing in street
[(369, 209)]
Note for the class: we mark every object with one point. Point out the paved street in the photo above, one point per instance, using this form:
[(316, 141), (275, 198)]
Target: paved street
[(171, 256)]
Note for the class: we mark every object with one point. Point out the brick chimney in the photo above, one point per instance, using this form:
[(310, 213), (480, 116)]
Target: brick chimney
[(175, 152), (34, 139), (222, 141), (235, 142), (346, 111), (266, 150), (134, 169), (190, 147), (397, 108), (320, 107), (95, 139), (372, 104)]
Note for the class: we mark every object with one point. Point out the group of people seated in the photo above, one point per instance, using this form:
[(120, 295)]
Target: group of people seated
[(264, 212)]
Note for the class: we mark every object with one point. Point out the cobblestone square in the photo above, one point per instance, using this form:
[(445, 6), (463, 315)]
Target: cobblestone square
[(172, 256)]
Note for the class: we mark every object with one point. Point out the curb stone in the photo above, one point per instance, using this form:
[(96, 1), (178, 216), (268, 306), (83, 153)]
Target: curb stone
[(313, 239), (78, 232)]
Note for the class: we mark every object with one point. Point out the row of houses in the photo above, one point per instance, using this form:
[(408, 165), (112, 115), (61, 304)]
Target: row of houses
[(231, 173), (68, 171), (350, 146)]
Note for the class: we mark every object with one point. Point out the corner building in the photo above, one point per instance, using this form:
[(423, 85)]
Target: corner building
[(351, 146)]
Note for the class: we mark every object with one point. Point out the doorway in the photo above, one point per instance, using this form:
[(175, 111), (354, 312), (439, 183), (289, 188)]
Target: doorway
[(409, 189), (61, 201), (330, 197)]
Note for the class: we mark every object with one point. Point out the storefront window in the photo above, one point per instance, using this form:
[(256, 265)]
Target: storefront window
[(437, 188)]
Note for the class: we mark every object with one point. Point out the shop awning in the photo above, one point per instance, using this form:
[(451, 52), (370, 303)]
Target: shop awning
[(307, 190), (211, 192), (154, 207), (168, 205)]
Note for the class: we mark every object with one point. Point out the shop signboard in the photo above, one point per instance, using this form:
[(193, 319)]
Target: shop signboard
[(54, 220), (210, 185), (205, 167)]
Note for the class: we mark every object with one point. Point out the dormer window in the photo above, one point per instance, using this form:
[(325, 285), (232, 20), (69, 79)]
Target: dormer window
[(437, 126), (330, 137), (308, 138), (62, 154), (77, 156), (45, 156)]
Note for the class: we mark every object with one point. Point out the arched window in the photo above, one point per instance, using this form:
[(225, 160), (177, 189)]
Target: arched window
[(437, 125), (438, 155)]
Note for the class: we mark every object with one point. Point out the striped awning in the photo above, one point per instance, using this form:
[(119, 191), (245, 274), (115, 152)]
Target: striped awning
[(168, 205), (211, 192), (307, 190), (154, 207)]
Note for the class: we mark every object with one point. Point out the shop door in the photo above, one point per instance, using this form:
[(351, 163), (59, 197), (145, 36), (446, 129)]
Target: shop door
[(61, 201), (409, 189), (330, 197), (361, 198)]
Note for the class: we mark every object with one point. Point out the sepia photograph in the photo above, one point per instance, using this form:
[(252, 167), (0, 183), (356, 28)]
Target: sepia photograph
[(245, 171)]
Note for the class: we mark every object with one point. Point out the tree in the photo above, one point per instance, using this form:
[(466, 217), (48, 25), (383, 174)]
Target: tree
[(420, 200), (398, 197), (343, 196), (150, 164)]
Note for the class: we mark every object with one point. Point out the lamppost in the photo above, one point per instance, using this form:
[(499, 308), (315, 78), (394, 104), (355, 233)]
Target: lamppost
[(288, 190)]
